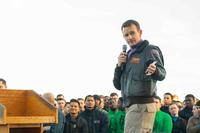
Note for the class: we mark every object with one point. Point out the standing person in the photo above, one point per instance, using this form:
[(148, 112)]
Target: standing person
[(3, 84), (82, 104), (61, 104), (114, 96), (74, 123), (136, 74), (113, 104), (98, 122), (193, 125), (163, 121), (66, 108), (186, 112), (119, 117), (97, 100), (179, 125), (106, 104), (54, 128), (168, 98)]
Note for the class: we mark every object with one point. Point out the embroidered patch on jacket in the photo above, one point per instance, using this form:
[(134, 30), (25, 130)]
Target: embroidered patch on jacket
[(135, 60)]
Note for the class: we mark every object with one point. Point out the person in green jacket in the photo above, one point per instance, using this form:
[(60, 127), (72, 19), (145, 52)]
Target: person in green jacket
[(119, 117), (113, 105), (163, 121)]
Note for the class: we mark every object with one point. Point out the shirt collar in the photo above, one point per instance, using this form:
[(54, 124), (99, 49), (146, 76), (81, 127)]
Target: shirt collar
[(135, 46), (133, 49)]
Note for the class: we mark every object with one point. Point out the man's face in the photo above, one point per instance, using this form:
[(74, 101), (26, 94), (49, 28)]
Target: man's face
[(189, 101), (2, 86), (173, 109), (61, 104), (113, 104), (67, 108), (132, 35), (196, 111), (90, 103), (82, 103), (106, 98), (97, 102), (115, 97), (60, 97), (157, 102), (119, 104), (167, 99), (74, 108)]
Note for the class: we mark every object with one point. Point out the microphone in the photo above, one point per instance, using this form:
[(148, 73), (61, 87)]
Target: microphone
[(124, 48)]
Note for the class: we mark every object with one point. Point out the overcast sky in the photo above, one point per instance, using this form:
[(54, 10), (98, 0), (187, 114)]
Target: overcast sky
[(71, 46)]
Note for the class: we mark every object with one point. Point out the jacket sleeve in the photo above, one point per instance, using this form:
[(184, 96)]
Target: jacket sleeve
[(191, 127), (167, 124), (117, 76), (183, 126), (65, 128), (58, 128), (104, 123), (155, 54), (85, 126)]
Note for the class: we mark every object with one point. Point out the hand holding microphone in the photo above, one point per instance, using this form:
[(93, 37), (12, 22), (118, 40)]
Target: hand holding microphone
[(122, 57)]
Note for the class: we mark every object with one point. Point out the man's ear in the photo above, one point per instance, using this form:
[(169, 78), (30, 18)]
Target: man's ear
[(141, 32)]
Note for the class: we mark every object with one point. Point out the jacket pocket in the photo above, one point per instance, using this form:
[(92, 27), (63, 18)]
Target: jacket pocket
[(151, 107)]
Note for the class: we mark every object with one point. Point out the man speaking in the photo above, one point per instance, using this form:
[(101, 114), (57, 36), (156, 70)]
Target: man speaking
[(136, 74)]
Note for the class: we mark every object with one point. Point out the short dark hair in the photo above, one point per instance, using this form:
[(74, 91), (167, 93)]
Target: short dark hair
[(80, 99), (113, 94), (190, 95), (89, 96), (121, 99), (60, 95), (157, 97), (59, 99), (129, 23), (169, 95), (110, 101), (198, 103), (75, 101), (3, 81), (97, 97)]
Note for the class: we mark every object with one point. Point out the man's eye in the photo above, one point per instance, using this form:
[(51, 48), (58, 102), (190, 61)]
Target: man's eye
[(125, 35), (132, 33)]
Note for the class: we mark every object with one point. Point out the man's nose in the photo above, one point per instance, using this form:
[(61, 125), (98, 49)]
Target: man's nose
[(129, 36)]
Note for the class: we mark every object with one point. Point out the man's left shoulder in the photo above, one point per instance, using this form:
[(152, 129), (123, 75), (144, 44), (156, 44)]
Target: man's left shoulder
[(154, 50)]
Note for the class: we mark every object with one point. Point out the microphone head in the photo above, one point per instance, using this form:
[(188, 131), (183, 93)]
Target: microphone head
[(124, 48)]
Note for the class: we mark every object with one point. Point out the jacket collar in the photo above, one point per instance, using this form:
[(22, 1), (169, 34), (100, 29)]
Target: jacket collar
[(142, 46)]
